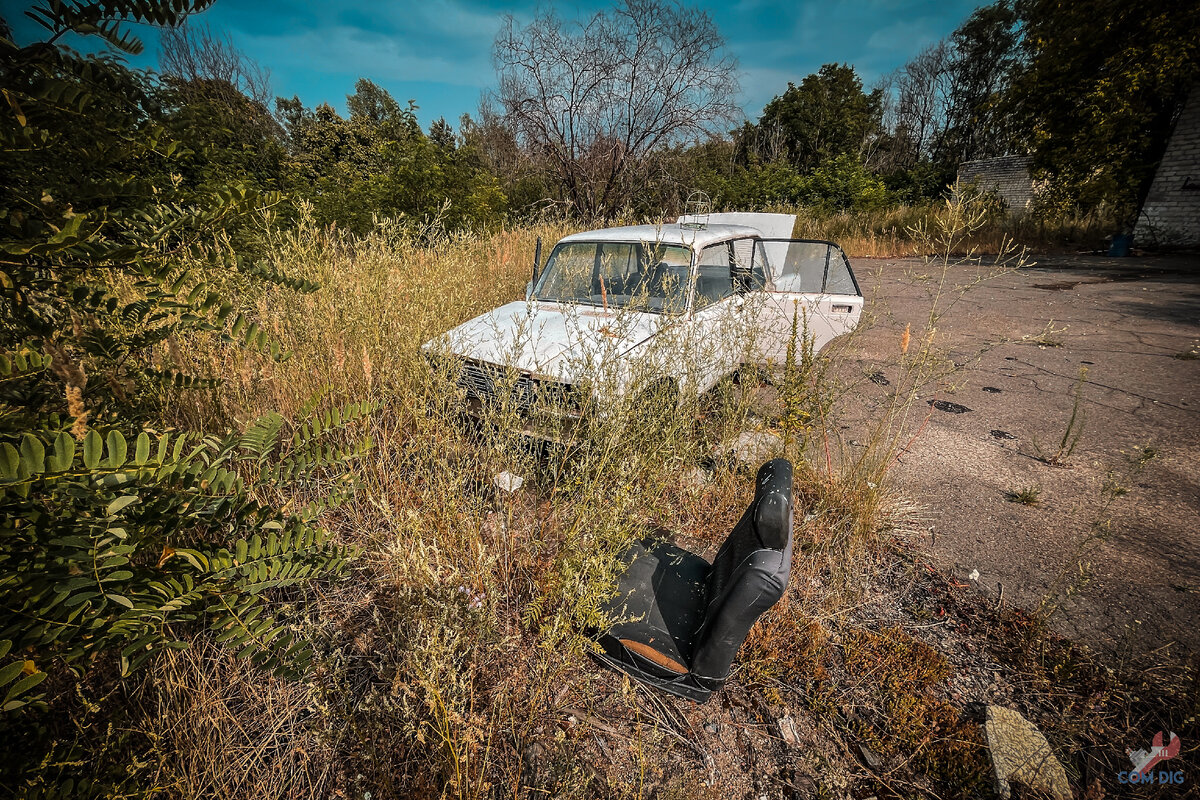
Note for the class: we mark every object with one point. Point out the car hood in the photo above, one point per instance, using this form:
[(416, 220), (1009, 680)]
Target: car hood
[(550, 339)]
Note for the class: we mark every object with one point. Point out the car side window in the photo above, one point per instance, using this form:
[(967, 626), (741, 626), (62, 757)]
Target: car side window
[(749, 264), (714, 279), (838, 280), (800, 266)]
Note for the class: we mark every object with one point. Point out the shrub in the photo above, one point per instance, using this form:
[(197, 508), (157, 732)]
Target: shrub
[(844, 184), (120, 535)]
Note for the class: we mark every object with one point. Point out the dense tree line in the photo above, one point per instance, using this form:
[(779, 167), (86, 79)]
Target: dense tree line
[(632, 109), (1091, 91)]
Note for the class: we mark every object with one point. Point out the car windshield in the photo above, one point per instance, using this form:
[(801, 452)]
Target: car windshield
[(642, 275)]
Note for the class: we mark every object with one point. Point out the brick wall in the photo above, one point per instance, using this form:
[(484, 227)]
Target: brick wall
[(1170, 217), (1008, 176)]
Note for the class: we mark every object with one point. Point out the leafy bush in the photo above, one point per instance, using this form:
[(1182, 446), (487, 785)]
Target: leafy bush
[(844, 184), (378, 163), (108, 542), (919, 184), (117, 532), (755, 186), (841, 184)]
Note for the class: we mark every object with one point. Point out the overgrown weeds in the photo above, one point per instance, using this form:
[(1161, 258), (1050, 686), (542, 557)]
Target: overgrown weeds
[(1073, 428), (889, 233), (455, 662), (1076, 569), (463, 629)]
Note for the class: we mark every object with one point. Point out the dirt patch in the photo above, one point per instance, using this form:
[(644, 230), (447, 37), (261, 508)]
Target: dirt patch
[(1023, 347)]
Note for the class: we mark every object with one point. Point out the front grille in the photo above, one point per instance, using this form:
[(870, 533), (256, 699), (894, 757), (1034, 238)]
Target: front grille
[(484, 382), (478, 380)]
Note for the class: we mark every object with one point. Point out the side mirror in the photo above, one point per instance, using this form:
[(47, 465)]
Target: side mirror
[(529, 290)]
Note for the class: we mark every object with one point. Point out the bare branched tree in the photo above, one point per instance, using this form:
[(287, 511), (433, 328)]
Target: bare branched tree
[(596, 100), (209, 75), (201, 58), (923, 88)]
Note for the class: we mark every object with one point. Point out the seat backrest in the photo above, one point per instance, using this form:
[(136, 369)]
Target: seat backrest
[(749, 574), (663, 279)]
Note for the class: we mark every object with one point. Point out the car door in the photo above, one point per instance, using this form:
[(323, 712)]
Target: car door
[(723, 280), (811, 284)]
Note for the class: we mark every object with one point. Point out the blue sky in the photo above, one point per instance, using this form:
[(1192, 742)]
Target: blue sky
[(438, 53)]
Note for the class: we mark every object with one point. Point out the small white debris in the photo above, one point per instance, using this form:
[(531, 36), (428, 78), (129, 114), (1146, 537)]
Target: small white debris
[(1021, 753), (507, 482), (474, 600), (787, 729), (695, 478), (974, 576)]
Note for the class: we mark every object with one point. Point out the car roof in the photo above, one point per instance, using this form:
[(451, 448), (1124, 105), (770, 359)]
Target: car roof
[(670, 233)]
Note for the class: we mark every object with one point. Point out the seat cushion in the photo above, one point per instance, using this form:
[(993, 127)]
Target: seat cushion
[(659, 602)]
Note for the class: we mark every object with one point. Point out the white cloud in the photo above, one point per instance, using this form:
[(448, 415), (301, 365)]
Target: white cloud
[(342, 50), (906, 36)]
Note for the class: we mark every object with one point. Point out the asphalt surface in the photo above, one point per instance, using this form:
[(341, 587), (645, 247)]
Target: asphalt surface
[(1125, 574)]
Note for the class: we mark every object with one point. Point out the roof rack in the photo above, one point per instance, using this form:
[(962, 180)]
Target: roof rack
[(696, 212)]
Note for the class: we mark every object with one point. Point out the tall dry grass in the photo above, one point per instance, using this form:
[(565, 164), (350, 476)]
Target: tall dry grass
[(459, 640), (459, 635), (889, 233)]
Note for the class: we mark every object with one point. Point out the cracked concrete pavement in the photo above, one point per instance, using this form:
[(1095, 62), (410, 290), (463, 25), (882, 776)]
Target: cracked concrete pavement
[(1020, 339)]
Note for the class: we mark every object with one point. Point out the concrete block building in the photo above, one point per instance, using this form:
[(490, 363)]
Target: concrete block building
[(1170, 216), (1007, 176)]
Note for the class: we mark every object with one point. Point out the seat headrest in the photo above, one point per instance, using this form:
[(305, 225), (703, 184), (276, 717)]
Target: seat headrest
[(773, 504)]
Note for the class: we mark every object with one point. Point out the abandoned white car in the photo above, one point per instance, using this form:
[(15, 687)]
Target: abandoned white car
[(682, 305)]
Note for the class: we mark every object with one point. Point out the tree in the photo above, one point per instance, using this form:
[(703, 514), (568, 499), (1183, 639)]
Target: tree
[(594, 100), (441, 134), (197, 56), (374, 107), (919, 113), (984, 59), (378, 162), (1099, 91), (826, 116), (212, 95), (525, 177), (945, 106), (118, 537)]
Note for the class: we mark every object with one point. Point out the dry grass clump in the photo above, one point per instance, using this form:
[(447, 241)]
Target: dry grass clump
[(224, 729), (888, 233), (897, 673)]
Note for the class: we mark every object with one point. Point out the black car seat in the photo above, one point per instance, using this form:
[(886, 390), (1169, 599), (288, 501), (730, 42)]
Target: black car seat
[(678, 621)]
